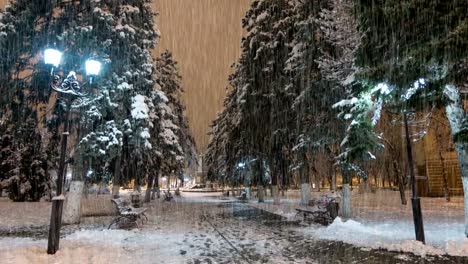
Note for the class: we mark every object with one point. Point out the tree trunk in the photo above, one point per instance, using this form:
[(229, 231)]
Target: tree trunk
[(155, 187), (72, 212), (462, 152), (261, 194), (258, 178), (275, 174), (401, 189), (116, 181), (148, 189), (305, 182), (275, 194), (168, 183), (455, 115), (346, 201), (305, 193), (444, 170), (181, 185), (400, 181), (247, 185), (333, 177), (248, 194)]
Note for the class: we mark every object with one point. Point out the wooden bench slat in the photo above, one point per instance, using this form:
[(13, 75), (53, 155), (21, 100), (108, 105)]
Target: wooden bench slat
[(127, 212)]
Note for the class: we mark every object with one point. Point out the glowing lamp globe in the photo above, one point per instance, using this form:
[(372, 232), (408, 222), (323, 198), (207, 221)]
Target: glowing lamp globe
[(93, 67), (52, 57)]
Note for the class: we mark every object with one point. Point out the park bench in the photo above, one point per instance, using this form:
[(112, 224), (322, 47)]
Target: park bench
[(243, 196), (127, 215), (322, 210), (168, 196)]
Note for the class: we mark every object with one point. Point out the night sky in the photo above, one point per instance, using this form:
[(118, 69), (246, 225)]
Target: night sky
[(204, 36)]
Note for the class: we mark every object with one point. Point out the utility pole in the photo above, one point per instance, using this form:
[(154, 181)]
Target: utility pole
[(415, 201)]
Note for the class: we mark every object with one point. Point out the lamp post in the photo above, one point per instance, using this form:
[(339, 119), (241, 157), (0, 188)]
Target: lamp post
[(415, 201), (69, 88)]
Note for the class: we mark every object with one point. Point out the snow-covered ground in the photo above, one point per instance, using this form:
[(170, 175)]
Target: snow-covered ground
[(97, 246), (380, 221), (207, 228), (397, 235)]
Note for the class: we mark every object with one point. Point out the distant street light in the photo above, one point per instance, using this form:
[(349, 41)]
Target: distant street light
[(70, 89)]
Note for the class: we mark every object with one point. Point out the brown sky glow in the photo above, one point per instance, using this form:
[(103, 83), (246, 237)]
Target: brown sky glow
[(204, 36)]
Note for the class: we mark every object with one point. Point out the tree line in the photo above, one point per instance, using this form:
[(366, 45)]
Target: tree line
[(318, 82)]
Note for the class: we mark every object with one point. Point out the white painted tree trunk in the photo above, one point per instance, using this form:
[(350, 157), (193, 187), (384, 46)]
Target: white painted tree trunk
[(116, 190), (346, 211), (147, 195), (275, 194), (305, 193), (248, 194), (72, 211), (455, 115), (158, 193), (149, 187), (465, 191), (261, 194)]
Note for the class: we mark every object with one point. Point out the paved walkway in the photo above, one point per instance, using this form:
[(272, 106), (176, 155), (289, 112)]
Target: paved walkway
[(199, 230)]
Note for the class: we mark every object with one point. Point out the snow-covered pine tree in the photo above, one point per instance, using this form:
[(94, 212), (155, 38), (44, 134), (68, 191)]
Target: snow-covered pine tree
[(280, 97), (424, 61), (277, 88), (169, 81), (24, 163), (115, 117), (33, 181), (119, 117), (170, 131), (219, 156), (259, 83), (318, 66), (23, 93)]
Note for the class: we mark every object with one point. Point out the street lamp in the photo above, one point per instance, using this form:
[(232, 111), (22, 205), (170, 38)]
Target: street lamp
[(52, 57), (70, 89), (93, 67)]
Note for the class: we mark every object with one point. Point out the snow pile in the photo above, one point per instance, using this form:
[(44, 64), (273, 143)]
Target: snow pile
[(398, 235)]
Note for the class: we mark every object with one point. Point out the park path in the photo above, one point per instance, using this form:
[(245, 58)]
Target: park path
[(199, 230)]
